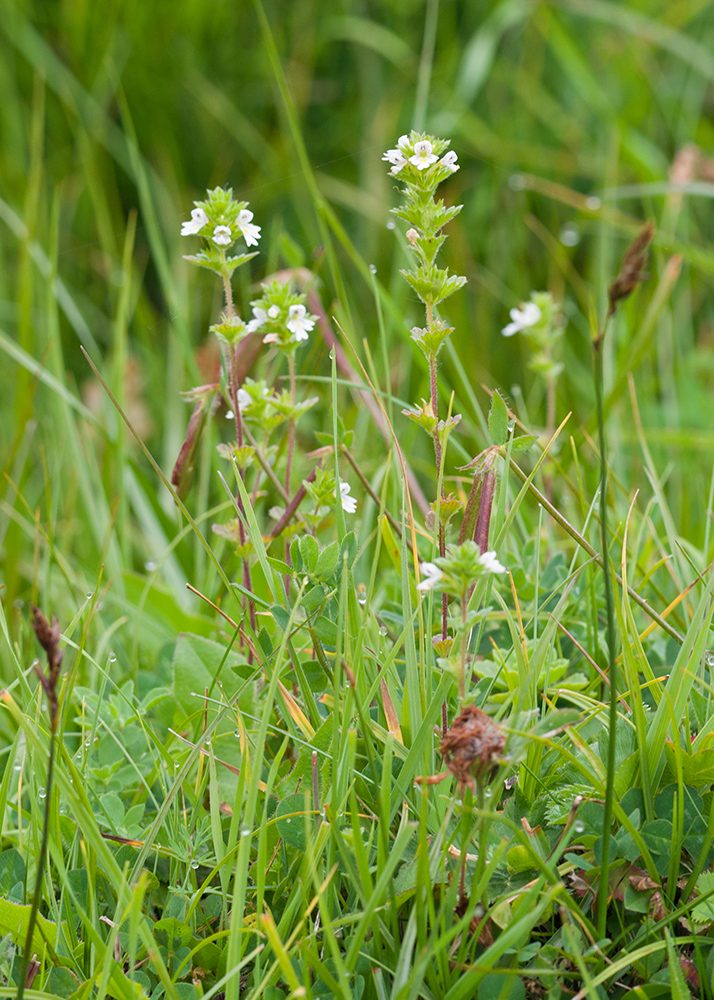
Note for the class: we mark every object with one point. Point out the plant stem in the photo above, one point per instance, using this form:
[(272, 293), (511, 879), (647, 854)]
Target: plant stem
[(291, 423), (439, 475), (594, 555), (233, 394), (368, 488), (27, 954), (602, 896)]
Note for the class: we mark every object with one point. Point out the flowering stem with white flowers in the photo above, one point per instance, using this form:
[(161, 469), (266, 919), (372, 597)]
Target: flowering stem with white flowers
[(416, 161)]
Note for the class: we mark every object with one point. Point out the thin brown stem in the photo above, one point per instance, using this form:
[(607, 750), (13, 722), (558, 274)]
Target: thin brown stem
[(594, 555), (368, 488), (233, 393)]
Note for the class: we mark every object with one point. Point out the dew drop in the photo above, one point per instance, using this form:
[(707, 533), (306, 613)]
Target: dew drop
[(194, 865), (230, 415), (42, 793), (593, 203), (150, 566), (362, 599), (90, 595), (579, 827), (516, 182), (569, 234), (391, 224), (382, 629), (17, 767), (245, 830), (236, 733), (373, 268), (112, 657)]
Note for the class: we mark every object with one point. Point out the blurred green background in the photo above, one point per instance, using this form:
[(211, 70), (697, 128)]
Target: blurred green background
[(567, 119)]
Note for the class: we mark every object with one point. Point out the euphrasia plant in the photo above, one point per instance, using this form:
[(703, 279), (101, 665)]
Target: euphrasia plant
[(280, 317), (421, 163), (540, 322)]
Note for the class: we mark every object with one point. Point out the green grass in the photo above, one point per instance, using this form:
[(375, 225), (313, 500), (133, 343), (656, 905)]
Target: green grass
[(279, 841)]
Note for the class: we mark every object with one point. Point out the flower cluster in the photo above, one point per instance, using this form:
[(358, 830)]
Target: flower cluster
[(540, 322), (280, 314), (455, 572), (324, 490), (421, 152), (422, 162), (221, 220)]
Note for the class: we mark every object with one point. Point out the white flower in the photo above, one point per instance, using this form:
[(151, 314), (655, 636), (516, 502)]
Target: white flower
[(271, 338), (251, 233), (261, 317), (432, 575), (396, 158), (274, 312), (349, 504), (195, 224), (412, 235), (299, 323), (527, 315), (490, 563), (403, 141), (244, 399), (423, 156), (449, 160), (222, 236)]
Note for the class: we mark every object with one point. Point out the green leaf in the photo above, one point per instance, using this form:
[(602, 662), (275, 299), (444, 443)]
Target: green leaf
[(703, 913), (312, 600), (657, 835), (326, 631), (291, 827), (280, 566), (310, 552), (498, 419), (501, 987), (677, 982), (524, 442), (61, 982), (114, 810), (327, 561), (14, 920), (12, 875), (172, 933), (196, 662)]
